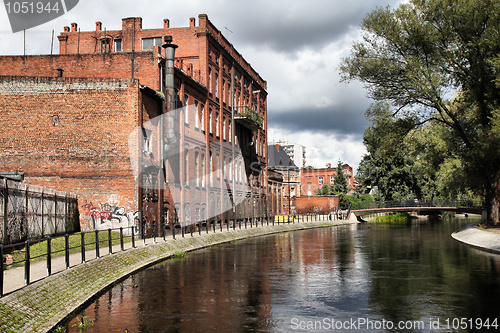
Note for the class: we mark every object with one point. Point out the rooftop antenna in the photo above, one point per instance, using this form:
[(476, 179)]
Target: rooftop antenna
[(228, 29)]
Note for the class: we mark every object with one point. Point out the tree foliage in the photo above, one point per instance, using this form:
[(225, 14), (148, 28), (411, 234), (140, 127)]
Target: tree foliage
[(436, 62), (340, 181)]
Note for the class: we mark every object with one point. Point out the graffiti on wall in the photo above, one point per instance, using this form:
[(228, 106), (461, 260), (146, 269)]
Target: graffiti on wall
[(110, 215)]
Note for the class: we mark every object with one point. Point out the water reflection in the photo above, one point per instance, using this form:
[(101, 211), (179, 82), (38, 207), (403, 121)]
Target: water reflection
[(284, 282)]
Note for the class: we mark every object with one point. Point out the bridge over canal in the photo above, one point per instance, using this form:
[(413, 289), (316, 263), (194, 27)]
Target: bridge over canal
[(420, 207)]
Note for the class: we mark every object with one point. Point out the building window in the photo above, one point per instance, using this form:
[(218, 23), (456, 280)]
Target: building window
[(224, 128), (224, 91), (105, 45), (210, 80), (216, 85), (186, 113), (147, 140), (202, 170), (210, 121), (118, 45), (196, 115), (320, 180), (197, 168), (332, 180), (148, 43), (211, 167), (217, 124), (202, 120), (186, 167), (187, 215)]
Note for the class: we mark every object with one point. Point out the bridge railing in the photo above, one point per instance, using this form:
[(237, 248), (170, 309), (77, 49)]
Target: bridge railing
[(417, 203)]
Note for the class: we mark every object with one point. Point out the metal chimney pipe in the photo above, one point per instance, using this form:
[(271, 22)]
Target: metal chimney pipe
[(168, 122), (169, 72)]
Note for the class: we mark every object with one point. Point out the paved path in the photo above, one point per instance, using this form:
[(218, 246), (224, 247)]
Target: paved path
[(14, 278), (42, 305), (484, 240)]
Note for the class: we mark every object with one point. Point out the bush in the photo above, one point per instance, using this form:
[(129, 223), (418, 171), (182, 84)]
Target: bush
[(394, 218)]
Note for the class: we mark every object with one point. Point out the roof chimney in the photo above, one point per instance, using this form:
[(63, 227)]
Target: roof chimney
[(98, 26), (74, 27), (166, 23), (192, 22)]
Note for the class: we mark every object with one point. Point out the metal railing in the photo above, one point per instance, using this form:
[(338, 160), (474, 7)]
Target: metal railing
[(109, 241), (416, 203)]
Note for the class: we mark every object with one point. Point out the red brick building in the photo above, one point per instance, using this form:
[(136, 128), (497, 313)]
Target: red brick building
[(312, 179), (70, 128)]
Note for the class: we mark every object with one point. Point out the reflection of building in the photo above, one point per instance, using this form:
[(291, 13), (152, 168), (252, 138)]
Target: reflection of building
[(296, 152), (313, 179), (281, 163), (105, 83)]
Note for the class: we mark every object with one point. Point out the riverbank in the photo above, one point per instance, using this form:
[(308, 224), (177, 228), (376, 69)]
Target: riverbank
[(40, 306), (481, 239)]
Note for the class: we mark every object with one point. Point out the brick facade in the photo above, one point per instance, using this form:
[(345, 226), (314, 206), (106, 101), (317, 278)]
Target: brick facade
[(71, 134), (312, 179), (316, 204), (102, 85)]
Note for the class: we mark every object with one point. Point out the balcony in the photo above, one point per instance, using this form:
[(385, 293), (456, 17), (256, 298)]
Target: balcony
[(250, 119)]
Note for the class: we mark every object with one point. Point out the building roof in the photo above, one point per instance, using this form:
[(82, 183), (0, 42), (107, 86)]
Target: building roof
[(277, 158)]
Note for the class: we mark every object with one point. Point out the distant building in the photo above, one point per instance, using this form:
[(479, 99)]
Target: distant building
[(296, 152), (313, 179), (281, 163)]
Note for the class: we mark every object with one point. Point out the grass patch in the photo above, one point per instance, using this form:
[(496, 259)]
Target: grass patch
[(179, 255), (399, 218), (38, 250)]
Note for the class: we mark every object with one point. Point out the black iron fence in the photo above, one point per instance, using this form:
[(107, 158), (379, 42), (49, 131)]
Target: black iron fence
[(94, 244)]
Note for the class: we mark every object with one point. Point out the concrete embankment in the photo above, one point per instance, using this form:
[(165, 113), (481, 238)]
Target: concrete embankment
[(39, 307), (480, 239)]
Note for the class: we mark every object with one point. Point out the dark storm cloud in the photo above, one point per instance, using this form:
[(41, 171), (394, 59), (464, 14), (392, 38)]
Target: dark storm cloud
[(342, 121), (289, 26)]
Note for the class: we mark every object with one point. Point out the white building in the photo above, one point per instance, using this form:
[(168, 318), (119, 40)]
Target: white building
[(296, 152)]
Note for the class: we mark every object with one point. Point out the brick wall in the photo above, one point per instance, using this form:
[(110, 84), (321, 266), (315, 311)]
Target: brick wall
[(124, 66), (316, 204), (72, 135)]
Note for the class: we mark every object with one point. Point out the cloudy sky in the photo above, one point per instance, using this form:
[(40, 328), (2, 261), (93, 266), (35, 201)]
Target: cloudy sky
[(296, 45)]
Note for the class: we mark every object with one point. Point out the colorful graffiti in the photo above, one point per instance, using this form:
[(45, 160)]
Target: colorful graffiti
[(107, 215)]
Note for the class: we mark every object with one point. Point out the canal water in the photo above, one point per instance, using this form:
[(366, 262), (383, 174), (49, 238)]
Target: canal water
[(370, 277)]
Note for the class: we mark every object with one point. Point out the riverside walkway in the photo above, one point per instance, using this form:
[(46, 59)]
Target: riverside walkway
[(47, 301)]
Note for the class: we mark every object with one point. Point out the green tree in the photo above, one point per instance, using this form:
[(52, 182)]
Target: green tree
[(326, 189), (388, 164), (420, 54), (340, 181)]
